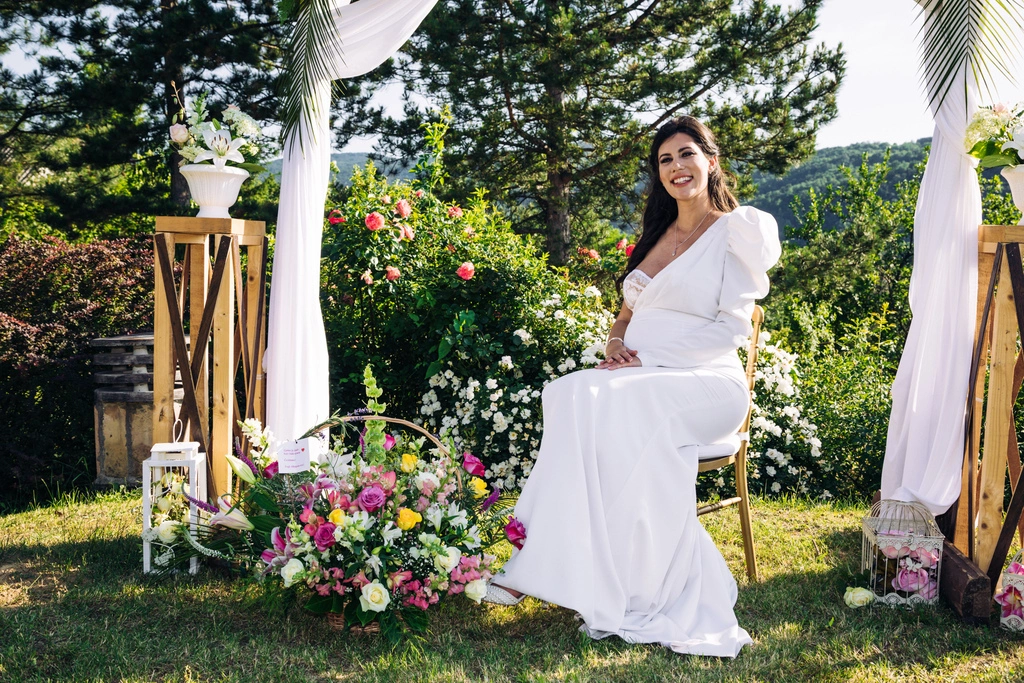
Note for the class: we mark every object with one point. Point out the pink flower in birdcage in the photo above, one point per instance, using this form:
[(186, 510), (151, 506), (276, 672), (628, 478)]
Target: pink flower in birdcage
[(1011, 601), (929, 590), (1015, 568), (910, 580)]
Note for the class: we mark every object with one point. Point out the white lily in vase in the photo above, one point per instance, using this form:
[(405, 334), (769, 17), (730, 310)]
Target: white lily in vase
[(220, 148)]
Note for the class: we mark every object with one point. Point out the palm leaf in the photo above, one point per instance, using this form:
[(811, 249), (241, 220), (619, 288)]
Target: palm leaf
[(312, 49), (983, 36)]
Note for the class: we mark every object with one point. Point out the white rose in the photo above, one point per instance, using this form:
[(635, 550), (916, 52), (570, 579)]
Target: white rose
[(374, 598), (179, 134), (446, 563), (476, 590), (290, 572), (163, 504), (858, 597), (167, 531)]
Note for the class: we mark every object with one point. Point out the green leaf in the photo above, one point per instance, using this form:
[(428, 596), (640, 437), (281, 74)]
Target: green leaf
[(365, 617), (320, 604), (996, 160), (416, 619), (443, 349), (266, 523), (338, 604), (251, 167), (433, 369), (264, 501)]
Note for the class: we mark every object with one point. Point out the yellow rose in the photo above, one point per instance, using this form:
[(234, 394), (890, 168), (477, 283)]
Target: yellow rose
[(407, 518), (478, 487), (409, 462), (336, 516)]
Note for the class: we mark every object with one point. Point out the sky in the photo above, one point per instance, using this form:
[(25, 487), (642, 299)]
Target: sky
[(881, 98)]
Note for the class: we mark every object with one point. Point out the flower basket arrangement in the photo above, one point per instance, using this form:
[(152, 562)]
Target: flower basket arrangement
[(207, 146), (902, 553), (386, 527), (1009, 596)]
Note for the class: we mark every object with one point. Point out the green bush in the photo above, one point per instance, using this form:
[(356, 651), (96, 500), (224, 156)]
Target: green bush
[(54, 298)]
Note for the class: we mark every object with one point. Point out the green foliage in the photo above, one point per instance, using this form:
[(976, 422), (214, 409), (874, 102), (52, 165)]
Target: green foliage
[(554, 103), (393, 297), (54, 298)]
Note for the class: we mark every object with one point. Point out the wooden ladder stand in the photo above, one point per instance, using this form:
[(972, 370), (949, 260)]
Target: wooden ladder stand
[(238, 336), (981, 530)]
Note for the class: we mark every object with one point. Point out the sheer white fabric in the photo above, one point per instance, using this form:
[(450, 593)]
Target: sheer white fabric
[(924, 448), (633, 285), (296, 363), (610, 506)]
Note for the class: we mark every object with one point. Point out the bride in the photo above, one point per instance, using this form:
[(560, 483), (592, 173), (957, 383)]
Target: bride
[(610, 508)]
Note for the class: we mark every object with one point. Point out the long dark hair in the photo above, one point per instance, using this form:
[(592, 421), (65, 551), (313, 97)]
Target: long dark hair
[(661, 209)]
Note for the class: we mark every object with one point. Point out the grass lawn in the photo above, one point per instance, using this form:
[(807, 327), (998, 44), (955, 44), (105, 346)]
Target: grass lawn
[(74, 606)]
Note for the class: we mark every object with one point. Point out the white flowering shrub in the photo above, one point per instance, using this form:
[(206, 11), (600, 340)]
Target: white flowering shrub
[(496, 412)]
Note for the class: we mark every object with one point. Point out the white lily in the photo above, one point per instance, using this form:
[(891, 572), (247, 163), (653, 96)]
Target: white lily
[(1016, 142), (222, 148)]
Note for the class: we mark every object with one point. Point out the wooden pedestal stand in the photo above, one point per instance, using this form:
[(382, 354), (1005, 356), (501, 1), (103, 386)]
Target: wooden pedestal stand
[(979, 528), (237, 335)]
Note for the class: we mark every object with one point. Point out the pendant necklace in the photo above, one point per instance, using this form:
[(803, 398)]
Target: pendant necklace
[(692, 232)]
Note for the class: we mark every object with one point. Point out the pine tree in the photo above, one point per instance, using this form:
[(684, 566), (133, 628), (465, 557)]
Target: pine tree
[(554, 101)]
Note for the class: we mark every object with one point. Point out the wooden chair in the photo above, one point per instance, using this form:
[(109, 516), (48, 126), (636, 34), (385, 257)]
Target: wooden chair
[(733, 451)]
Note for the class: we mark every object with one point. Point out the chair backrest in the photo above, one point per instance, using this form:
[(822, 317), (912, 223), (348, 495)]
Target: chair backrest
[(755, 336)]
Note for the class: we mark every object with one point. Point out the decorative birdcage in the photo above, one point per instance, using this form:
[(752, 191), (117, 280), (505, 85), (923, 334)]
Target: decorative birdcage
[(1010, 595), (171, 471), (902, 553)]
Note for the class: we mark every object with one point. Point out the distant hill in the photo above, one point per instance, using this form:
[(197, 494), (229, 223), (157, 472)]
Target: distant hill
[(774, 193), (346, 162)]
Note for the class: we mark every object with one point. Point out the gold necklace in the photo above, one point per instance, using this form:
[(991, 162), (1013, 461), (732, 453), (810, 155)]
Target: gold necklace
[(692, 232)]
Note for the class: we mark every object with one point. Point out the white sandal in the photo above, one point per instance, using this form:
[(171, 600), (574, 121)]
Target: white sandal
[(499, 596)]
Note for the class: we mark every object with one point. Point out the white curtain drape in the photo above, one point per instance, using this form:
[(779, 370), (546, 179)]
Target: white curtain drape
[(924, 450), (368, 33)]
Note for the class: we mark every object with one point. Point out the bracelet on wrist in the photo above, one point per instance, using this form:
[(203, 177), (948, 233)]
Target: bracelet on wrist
[(618, 339)]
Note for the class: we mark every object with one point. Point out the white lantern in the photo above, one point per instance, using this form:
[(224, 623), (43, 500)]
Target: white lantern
[(170, 470)]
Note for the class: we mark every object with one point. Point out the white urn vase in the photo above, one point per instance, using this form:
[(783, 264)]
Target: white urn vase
[(214, 189), (1015, 179)]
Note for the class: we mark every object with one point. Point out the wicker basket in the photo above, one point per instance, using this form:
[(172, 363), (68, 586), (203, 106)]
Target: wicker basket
[(337, 622)]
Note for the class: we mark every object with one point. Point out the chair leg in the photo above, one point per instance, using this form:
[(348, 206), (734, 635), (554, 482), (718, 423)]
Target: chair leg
[(745, 527)]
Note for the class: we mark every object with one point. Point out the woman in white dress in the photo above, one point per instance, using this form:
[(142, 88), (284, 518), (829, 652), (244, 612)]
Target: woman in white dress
[(610, 507)]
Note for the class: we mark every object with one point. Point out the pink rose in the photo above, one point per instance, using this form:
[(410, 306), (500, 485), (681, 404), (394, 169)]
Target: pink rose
[(407, 233), (515, 532), (454, 212), (466, 270), (391, 273), (894, 551), (371, 498), (929, 590), (629, 250), (386, 199), (324, 537), (389, 441), (367, 277), (403, 208), (419, 194), (374, 221), (473, 465), (270, 470), (926, 557), (910, 580), (621, 244), (335, 217), (179, 133)]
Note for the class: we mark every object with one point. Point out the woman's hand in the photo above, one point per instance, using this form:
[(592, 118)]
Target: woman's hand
[(618, 355)]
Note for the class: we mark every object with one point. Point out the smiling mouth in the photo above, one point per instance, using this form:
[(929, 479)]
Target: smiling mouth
[(682, 180)]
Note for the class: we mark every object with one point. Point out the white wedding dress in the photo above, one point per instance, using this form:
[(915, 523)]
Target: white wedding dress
[(610, 507)]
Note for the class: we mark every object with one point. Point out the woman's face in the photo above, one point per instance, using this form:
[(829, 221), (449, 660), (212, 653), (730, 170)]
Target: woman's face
[(683, 167)]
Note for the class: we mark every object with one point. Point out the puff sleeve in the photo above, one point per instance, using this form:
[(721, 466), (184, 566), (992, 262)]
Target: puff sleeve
[(752, 247)]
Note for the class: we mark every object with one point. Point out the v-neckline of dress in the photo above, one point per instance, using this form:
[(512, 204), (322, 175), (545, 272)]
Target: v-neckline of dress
[(652, 278)]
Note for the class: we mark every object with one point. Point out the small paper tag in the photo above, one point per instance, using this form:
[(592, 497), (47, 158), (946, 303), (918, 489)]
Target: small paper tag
[(295, 456)]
